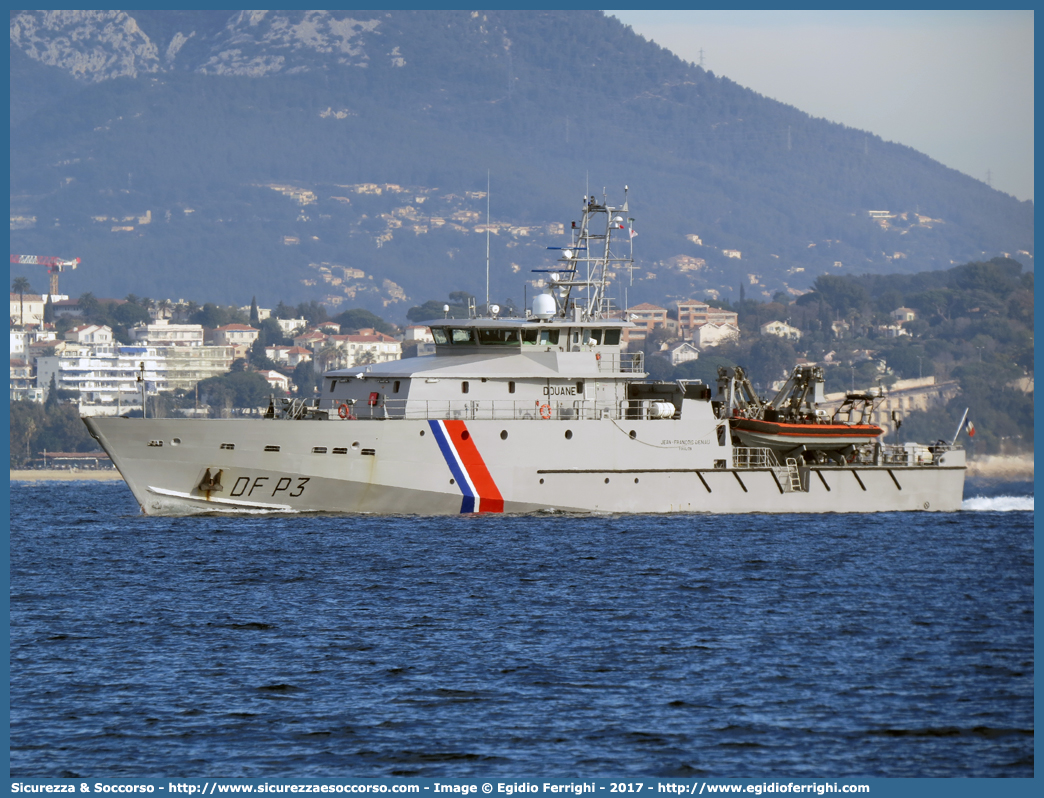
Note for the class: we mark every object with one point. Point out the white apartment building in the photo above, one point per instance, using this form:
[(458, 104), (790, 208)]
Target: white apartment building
[(94, 335), (23, 385), (107, 382), (240, 336), (422, 336), (22, 339), (105, 373), (30, 308), (291, 326), (162, 333), (346, 351), (185, 366)]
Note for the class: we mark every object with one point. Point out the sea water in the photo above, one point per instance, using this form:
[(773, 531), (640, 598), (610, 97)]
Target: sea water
[(318, 646)]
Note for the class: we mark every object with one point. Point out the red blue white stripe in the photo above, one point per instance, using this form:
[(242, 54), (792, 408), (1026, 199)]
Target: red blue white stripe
[(481, 494)]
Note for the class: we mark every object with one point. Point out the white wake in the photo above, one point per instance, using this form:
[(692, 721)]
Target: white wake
[(999, 504)]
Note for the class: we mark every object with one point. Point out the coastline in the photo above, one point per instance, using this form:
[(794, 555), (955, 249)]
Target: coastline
[(66, 475), (989, 467)]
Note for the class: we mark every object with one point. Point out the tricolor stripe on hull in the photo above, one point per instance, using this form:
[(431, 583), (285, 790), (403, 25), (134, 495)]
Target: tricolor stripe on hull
[(469, 470)]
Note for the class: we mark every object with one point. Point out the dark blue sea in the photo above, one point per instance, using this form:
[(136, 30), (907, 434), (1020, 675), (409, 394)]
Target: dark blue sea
[(720, 646)]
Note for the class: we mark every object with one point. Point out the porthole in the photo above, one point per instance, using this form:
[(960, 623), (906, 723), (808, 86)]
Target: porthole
[(569, 435), (355, 444), (636, 480), (175, 442), (453, 481), (511, 386), (633, 434), (607, 480), (422, 433), (464, 387), (503, 435), (541, 481), (465, 435)]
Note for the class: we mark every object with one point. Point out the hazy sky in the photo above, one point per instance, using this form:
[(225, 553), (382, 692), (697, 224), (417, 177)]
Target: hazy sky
[(955, 85)]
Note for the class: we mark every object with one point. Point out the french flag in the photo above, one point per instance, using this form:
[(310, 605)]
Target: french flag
[(970, 428)]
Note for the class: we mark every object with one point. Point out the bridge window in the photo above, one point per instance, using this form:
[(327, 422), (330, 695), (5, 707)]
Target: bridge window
[(594, 335), (549, 337), (530, 336), (439, 335), (497, 337), (459, 336), (612, 338)]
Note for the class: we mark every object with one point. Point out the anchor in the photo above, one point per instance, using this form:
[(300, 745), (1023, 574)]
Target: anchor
[(211, 483)]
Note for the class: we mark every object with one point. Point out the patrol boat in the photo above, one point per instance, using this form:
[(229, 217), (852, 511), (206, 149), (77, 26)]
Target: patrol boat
[(522, 415)]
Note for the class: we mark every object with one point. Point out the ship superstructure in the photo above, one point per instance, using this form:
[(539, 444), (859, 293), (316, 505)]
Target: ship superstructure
[(545, 412)]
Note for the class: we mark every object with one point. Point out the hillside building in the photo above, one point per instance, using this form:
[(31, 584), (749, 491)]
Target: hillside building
[(781, 330), (692, 313), (289, 356), (422, 336), (291, 326), (23, 383), (683, 352), (646, 318), (239, 336), (104, 373), (29, 311), (711, 334), (163, 333), (367, 346)]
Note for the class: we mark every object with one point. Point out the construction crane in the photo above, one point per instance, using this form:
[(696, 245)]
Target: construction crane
[(54, 266)]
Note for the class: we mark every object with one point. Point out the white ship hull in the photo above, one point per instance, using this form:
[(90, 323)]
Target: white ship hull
[(422, 467)]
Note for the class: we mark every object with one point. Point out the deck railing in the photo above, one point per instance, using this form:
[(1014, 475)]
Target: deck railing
[(630, 362), (497, 409), (471, 410), (751, 457)]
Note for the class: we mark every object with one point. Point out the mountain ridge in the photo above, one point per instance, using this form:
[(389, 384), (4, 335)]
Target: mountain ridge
[(212, 109)]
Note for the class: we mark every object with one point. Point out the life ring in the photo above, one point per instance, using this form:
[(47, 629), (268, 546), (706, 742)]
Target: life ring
[(545, 412), (344, 411)]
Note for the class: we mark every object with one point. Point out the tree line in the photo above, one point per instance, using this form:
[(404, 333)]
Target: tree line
[(974, 325)]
